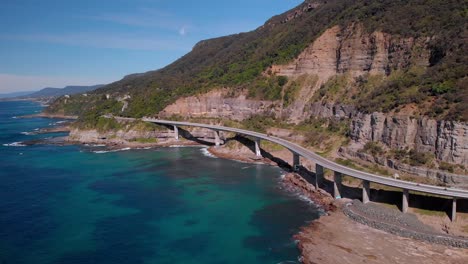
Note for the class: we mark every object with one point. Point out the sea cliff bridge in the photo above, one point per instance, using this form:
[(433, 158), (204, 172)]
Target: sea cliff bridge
[(321, 163)]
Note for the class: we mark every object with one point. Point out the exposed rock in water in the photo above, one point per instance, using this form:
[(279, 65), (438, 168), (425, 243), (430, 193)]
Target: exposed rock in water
[(321, 198)]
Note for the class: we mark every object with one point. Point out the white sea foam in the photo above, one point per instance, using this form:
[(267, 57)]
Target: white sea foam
[(205, 152), (108, 151), (95, 145), (28, 133), (15, 117), (15, 144), (60, 122)]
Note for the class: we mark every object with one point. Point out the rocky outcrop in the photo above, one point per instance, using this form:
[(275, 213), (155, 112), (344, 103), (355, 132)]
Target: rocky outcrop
[(218, 104), (447, 140), (124, 137), (354, 51)]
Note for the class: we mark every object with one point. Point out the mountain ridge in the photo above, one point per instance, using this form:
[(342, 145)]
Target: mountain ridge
[(67, 90)]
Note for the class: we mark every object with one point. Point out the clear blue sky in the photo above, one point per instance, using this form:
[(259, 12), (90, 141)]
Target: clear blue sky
[(57, 43)]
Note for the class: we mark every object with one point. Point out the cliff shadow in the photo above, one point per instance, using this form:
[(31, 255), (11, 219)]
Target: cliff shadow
[(423, 203)]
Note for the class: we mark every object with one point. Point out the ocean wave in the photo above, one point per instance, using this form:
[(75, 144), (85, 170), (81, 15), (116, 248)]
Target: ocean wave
[(60, 122), (109, 151), (15, 117), (15, 144), (27, 133), (205, 152)]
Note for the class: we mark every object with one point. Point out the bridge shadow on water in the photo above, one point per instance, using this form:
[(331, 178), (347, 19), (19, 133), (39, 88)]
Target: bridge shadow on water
[(377, 194)]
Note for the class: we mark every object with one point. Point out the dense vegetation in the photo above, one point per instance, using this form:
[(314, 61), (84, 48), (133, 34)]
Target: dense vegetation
[(238, 61)]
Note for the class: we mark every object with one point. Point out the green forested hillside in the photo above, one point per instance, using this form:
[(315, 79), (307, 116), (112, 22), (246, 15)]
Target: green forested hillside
[(237, 61)]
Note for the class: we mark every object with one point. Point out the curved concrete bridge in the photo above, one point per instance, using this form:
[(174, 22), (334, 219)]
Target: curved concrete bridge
[(321, 163)]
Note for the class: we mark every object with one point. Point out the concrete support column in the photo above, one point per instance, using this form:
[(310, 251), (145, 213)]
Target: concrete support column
[(365, 192), (318, 175), (217, 140), (176, 133), (296, 160), (404, 206), (454, 209), (258, 152), (337, 185)]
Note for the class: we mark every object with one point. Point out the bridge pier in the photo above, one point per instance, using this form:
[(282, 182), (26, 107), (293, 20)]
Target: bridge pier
[(318, 175), (337, 185), (365, 191), (454, 209), (258, 152), (296, 160), (176, 133), (217, 140), (404, 206)]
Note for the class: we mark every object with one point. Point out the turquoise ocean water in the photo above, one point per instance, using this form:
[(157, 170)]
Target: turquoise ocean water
[(82, 204)]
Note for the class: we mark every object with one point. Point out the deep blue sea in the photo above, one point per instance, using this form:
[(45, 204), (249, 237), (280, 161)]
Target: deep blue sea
[(82, 204)]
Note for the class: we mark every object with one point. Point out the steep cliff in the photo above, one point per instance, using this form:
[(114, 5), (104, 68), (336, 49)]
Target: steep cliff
[(447, 140), (218, 104), (355, 51)]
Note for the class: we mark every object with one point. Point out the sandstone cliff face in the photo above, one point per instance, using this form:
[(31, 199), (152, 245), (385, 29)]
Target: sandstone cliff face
[(448, 141), (217, 104), (352, 50)]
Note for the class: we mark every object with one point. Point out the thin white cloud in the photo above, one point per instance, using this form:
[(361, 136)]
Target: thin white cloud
[(144, 17), (17, 83), (183, 31)]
